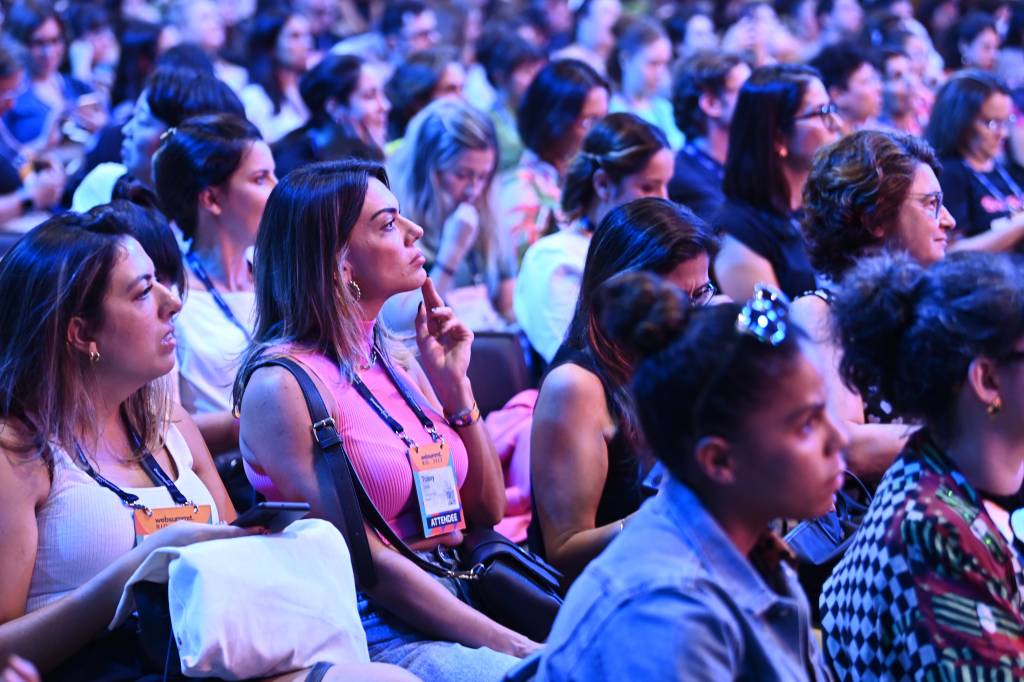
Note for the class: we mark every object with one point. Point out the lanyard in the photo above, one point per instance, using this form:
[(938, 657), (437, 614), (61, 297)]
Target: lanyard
[(149, 465), (393, 423), (1015, 189), (200, 272)]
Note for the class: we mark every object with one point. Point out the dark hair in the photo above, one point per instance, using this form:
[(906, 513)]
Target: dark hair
[(335, 77), (645, 234), (553, 102), (58, 271), (500, 50), (855, 189), (620, 144), (262, 44), (83, 18), (634, 36), (910, 332), (300, 296), (203, 152), (25, 18), (677, 25), (1015, 31), (951, 127), (703, 73), (175, 94), (393, 18), (696, 376), (411, 86), (967, 29), (836, 63), (142, 216), (186, 56), (765, 110), (138, 41)]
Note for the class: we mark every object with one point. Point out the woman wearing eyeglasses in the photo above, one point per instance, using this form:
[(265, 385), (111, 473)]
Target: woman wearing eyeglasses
[(733, 402), (930, 588), (587, 457), (783, 116), (970, 122)]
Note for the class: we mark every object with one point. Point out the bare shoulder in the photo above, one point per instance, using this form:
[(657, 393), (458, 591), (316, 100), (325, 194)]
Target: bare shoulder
[(571, 387), (812, 314), (24, 476)]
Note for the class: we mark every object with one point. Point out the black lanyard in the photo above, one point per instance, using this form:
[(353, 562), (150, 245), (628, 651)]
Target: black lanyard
[(200, 272), (1015, 189), (393, 423), (149, 465)]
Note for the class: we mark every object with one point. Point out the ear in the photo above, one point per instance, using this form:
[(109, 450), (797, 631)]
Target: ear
[(983, 379), (209, 199), (602, 185), (79, 336), (346, 271), (714, 459), (710, 105)]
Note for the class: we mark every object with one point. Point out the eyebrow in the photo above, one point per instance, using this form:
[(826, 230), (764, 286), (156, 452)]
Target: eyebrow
[(392, 211), (805, 410)]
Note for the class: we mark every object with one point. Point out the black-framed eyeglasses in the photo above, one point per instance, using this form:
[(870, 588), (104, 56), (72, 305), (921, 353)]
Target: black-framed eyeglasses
[(999, 124), (828, 113), (932, 202), (703, 294)]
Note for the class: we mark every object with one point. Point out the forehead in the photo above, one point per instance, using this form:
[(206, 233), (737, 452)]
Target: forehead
[(130, 263), (814, 93), (737, 76), (925, 181), (377, 197), (474, 159), (257, 157), (660, 164), (595, 103), (799, 382), (295, 23)]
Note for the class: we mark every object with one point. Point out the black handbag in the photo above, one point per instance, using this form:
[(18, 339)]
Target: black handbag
[(511, 585), (824, 539)]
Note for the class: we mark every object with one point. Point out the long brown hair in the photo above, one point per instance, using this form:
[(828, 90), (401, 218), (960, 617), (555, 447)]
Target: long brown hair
[(300, 296), (58, 271)]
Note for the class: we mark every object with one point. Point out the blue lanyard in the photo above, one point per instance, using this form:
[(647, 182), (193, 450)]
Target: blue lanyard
[(1015, 189), (367, 395), (200, 273)]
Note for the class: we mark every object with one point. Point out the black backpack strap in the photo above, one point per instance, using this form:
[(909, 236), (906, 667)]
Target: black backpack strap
[(334, 473)]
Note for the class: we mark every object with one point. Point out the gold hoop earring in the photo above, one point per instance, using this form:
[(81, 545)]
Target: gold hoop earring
[(94, 356), (994, 407), (354, 289)]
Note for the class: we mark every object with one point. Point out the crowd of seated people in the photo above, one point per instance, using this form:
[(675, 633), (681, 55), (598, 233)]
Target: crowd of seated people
[(738, 256)]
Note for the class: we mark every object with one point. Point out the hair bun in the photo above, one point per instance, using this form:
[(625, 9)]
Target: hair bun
[(641, 312)]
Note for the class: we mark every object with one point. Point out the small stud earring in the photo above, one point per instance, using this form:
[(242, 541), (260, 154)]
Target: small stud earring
[(356, 292), (94, 356), (994, 407)]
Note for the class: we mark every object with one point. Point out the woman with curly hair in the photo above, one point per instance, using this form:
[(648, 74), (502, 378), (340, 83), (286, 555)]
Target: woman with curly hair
[(869, 192)]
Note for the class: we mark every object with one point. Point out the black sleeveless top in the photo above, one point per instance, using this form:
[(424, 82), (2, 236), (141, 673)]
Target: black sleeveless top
[(622, 493)]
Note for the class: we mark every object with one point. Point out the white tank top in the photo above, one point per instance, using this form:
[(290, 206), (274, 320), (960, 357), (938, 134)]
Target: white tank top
[(83, 527)]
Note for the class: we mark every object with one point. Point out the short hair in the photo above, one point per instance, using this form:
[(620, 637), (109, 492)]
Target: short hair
[(951, 127), (966, 29), (501, 51), (25, 18), (910, 332), (620, 144), (393, 18), (335, 77), (175, 94), (202, 152), (411, 85), (633, 36), (836, 63), (854, 190), (148, 225), (703, 73), (765, 109), (554, 101), (187, 56)]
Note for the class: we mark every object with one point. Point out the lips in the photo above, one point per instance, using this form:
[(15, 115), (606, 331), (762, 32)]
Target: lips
[(168, 339)]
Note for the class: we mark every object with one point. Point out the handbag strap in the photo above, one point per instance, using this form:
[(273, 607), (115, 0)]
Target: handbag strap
[(335, 465)]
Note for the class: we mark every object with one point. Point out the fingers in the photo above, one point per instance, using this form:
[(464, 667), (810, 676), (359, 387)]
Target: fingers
[(430, 296)]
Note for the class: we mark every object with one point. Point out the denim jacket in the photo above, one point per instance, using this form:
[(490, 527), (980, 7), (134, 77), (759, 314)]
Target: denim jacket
[(673, 599)]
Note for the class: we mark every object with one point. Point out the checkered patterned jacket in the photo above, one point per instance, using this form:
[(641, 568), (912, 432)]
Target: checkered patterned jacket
[(930, 589)]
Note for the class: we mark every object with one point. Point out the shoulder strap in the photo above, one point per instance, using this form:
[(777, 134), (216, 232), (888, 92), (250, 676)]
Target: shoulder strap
[(335, 471)]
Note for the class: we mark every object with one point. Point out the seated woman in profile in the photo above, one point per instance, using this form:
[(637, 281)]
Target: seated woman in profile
[(931, 588), (870, 191), (87, 427), (587, 457), (733, 402), (332, 248)]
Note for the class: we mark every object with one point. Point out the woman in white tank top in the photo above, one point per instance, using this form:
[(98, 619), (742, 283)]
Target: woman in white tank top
[(88, 436)]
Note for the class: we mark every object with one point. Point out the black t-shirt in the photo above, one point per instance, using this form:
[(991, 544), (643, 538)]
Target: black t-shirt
[(776, 238), (697, 182), (312, 143), (976, 199)]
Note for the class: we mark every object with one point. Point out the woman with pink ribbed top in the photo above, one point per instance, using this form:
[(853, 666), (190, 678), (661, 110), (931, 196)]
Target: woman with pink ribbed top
[(332, 248)]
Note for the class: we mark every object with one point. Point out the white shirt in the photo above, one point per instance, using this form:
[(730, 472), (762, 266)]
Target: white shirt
[(259, 109), (548, 286), (97, 186)]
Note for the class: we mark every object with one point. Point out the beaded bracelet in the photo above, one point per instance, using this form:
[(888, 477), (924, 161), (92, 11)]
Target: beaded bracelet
[(467, 417)]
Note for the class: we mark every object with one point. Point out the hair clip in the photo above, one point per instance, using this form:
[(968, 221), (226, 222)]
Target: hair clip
[(764, 315), (167, 134)]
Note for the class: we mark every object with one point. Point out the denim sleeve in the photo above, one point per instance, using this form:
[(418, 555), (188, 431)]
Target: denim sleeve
[(658, 635)]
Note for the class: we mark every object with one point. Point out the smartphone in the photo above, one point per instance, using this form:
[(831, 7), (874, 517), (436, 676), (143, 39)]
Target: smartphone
[(274, 516)]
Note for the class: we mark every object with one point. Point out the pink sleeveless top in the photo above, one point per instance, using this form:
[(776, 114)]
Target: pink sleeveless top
[(378, 455)]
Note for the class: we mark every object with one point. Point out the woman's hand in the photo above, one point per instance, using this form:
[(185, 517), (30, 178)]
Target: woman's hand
[(444, 344), (19, 670), (514, 644), (186, 533), (458, 235)]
